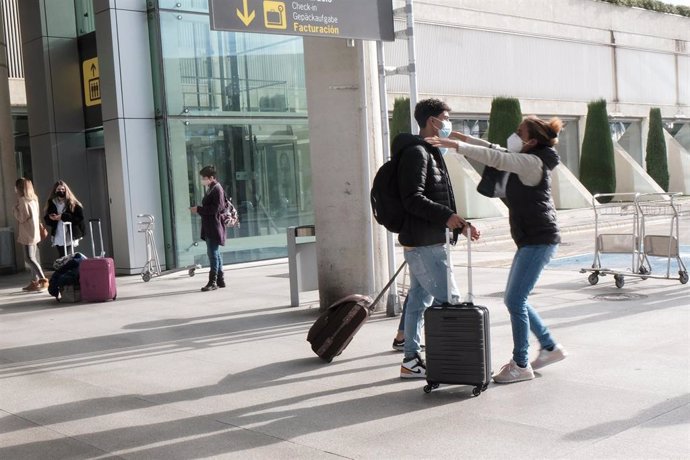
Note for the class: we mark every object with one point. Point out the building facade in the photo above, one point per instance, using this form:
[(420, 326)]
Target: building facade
[(167, 95)]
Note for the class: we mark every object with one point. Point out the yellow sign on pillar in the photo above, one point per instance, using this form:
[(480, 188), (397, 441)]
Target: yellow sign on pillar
[(92, 82)]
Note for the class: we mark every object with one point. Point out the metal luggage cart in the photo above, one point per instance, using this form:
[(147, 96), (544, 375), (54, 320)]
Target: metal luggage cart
[(152, 267), (621, 210), (666, 246)]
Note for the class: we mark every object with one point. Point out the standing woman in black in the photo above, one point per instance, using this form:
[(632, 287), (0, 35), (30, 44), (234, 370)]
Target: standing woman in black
[(63, 206), (212, 228)]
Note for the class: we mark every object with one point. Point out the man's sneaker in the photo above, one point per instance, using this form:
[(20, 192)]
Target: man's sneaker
[(413, 368), (547, 357), (399, 345), (511, 373)]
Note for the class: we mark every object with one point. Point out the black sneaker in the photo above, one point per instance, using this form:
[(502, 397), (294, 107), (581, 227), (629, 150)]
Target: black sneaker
[(413, 368), (399, 345)]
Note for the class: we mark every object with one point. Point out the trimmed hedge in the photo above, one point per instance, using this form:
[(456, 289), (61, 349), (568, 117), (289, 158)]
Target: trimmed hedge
[(657, 160), (653, 5), (504, 119), (400, 122), (597, 167)]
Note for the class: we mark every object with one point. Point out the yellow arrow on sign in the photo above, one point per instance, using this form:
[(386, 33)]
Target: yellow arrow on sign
[(245, 16)]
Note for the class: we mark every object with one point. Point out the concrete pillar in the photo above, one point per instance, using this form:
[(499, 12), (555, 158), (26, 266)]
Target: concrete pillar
[(343, 124), (8, 166), (129, 128), (54, 101)]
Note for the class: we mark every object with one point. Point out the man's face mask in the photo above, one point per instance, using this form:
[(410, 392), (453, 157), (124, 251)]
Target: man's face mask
[(445, 129)]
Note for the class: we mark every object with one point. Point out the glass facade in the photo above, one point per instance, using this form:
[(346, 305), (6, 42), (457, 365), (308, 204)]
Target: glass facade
[(238, 102)]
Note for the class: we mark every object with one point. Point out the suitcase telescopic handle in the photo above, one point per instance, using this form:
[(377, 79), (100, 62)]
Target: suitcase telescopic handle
[(470, 296), (100, 236)]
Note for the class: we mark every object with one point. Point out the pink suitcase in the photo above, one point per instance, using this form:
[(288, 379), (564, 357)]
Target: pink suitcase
[(97, 275)]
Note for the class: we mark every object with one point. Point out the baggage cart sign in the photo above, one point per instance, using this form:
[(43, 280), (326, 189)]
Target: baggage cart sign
[(358, 19)]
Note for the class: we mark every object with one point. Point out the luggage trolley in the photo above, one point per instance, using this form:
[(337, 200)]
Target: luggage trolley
[(666, 246), (152, 267), (621, 209)]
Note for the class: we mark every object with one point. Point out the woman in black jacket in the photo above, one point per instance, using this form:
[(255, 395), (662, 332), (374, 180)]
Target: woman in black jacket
[(63, 206), (530, 158), (212, 228)]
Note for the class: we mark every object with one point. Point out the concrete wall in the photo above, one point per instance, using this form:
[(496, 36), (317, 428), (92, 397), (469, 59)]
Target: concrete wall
[(630, 176)]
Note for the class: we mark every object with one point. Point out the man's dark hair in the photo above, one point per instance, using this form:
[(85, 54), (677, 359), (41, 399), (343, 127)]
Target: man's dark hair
[(429, 108), (208, 171)]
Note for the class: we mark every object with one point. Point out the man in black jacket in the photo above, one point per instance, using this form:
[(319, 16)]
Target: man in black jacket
[(427, 197)]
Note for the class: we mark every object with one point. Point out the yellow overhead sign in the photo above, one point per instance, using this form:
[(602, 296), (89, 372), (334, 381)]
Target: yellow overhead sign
[(92, 82)]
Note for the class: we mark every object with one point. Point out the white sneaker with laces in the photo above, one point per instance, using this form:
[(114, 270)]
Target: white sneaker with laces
[(511, 373), (413, 368), (547, 357)]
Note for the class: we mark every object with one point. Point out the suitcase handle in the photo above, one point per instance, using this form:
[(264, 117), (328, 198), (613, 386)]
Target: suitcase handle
[(100, 236), (470, 296), (385, 288), (65, 225)]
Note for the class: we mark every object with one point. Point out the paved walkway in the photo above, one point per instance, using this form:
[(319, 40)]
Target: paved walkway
[(168, 372)]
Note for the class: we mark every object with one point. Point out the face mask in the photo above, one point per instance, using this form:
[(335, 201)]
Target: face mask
[(60, 194), (514, 143), (205, 182), (446, 129), (443, 150)]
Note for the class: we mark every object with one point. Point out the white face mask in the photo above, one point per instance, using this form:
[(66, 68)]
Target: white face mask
[(514, 143), (205, 182)]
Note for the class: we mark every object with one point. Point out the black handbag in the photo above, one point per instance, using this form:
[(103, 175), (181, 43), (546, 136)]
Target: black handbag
[(493, 183)]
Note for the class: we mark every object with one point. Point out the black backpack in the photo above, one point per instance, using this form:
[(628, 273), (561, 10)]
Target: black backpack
[(386, 203)]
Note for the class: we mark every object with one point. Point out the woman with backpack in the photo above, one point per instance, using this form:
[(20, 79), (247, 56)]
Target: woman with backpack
[(212, 226)]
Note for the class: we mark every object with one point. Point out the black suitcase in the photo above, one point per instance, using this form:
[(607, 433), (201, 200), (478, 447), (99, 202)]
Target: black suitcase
[(335, 328), (458, 344)]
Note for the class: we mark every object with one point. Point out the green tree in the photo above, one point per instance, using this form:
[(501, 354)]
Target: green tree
[(657, 161), (597, 166), (400, 123), (504, 119)]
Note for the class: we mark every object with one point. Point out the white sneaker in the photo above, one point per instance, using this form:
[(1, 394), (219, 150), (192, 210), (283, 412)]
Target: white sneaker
[(413, 368), (511, 373), (547, 357)]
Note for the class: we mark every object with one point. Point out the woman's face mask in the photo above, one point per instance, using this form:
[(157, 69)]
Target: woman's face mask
[(205, 182), (514, 143), (60, 193)]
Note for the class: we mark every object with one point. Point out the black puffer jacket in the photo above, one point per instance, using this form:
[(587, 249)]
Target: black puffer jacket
[(532, 210), (425, 190)]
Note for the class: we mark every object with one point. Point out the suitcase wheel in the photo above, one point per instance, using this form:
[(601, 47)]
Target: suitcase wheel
[(192, 272), (430, 386), (477, 391)]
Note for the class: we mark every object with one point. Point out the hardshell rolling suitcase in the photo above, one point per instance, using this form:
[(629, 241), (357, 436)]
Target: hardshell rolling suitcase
[(97, 275), (336, 327), (458, 343)]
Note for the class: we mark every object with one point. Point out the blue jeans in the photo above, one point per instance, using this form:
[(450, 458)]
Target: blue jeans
[(214, 258), (428, 285), (528, 263)]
